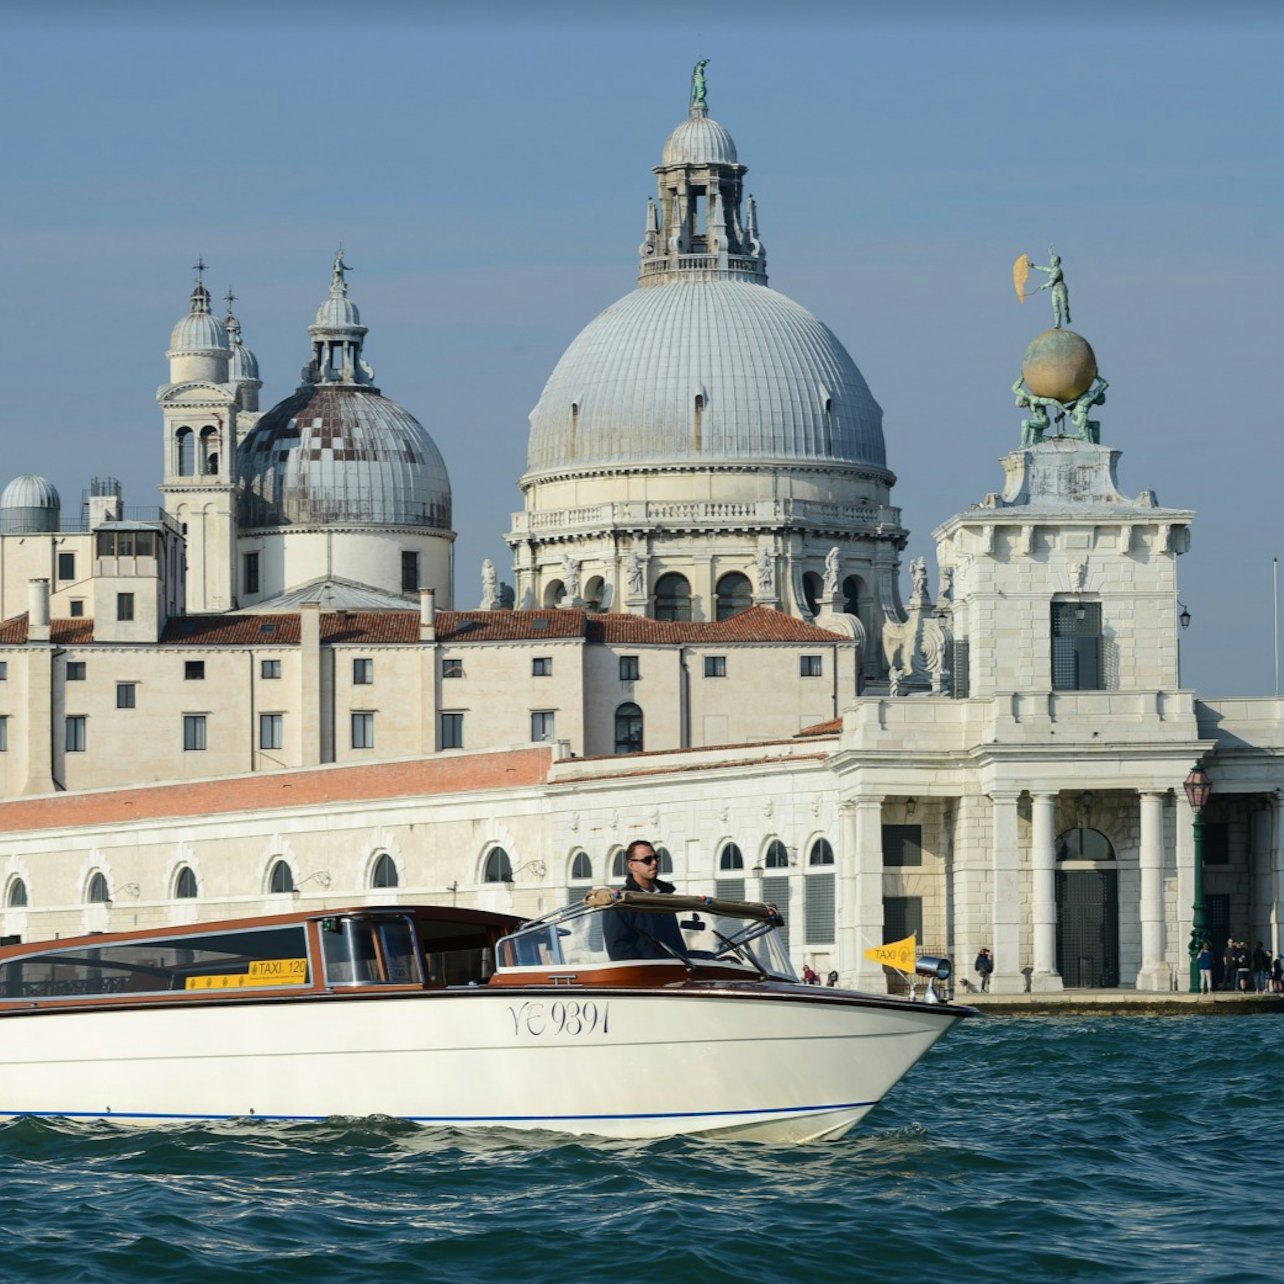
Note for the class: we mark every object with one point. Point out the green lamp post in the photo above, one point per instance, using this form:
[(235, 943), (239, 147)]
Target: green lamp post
[(1198, 788)]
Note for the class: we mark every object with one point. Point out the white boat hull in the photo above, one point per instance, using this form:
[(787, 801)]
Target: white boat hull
[(793, 1064)]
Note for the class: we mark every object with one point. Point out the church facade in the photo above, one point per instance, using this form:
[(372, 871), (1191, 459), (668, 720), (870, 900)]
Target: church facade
[(266, 689)]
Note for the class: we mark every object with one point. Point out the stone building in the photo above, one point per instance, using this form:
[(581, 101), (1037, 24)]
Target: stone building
[(266, 692)]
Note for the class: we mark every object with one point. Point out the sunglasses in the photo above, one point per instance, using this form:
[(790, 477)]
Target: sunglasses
[(645, 860)]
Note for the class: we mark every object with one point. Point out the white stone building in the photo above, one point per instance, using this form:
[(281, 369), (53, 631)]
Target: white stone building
[(264, 690)]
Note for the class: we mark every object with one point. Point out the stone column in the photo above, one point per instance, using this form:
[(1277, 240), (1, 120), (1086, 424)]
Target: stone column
[(1277, 871), (1043, 913), (1178, 954), (1006, 908), (860, 901), (1154, 974)]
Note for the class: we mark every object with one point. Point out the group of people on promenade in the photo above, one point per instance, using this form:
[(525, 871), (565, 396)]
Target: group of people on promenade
[(1243, 970)]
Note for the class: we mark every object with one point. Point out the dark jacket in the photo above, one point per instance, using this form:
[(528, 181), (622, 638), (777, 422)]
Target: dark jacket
[(633, 934)]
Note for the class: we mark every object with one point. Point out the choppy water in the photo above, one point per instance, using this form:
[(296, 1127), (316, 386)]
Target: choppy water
[(1123, 1148)]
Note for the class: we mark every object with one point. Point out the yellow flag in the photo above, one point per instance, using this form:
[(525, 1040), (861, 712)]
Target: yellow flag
[(901, 955), (1020, 271)]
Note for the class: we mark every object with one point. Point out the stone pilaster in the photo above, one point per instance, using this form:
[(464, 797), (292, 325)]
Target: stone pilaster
[(1155, 973), (1043, 911), (1006, 908), (860, 902)]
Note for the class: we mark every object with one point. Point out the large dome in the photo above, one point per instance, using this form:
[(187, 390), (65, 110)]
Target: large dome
[(774, 383), (341, 455)]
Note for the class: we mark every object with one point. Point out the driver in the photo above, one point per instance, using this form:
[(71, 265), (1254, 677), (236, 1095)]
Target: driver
[(634, 934)]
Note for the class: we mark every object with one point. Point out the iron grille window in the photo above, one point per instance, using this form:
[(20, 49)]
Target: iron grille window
[(1076, 646), (902, 845), (775, 891), (730, 889), (819, 915)]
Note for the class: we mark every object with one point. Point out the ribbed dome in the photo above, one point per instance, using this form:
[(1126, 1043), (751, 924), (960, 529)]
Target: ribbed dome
[(198, 332), (341, 455), (243, 365), (776, 384), (30, 491), (29, 504), (699, 140), (338, 311)]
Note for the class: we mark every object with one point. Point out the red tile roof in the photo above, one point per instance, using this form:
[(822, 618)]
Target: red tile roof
[(64, 632), (758, 624), (830, 728)]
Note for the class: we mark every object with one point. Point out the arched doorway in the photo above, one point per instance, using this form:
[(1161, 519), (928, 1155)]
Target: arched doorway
[(1087, 910)]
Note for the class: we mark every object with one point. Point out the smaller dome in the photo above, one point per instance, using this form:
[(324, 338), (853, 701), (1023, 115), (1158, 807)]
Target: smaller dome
[(699, 140), (338, 312), (244, 365), (30, 491), (29, 505), (199, 330)]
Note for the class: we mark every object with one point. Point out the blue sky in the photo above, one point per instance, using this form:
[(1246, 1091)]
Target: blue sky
[(487, 167)]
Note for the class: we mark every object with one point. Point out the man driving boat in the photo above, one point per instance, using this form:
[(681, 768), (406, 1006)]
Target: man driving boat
[(632, 934)]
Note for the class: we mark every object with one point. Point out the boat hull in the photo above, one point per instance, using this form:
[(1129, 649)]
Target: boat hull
[(774, 1064)]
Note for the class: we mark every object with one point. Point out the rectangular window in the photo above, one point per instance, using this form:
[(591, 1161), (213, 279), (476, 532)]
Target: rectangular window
[(66, 566), (269, 668), (409, 571), (124, 606), (362, 673), (629, 669), (126, 695), (271, 730), (194, 670), (819, 910), (452, 730), (363, 731), (4, 734), (75, 740), (715, 666), (542, 666), (1076, 646), (902, 845), (810, 666), (193, 732), (77, 608), (542, 724), (250, 573), (75, 670), (452, 667), (4, 670)]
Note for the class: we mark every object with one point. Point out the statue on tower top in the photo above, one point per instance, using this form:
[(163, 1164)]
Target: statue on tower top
[(1056, 282), (337, 283), (699, 89)]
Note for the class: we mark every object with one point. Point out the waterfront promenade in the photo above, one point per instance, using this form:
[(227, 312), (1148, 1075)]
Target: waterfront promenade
[(1123, 1003)]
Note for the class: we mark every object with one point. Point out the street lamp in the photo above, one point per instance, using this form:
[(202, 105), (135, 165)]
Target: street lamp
[(1198, 788)]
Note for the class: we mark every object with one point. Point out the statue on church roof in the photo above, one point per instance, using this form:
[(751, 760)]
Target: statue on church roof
[(490, 586), (1056, 282), (1089, 429), (699, 89), (336, 275)]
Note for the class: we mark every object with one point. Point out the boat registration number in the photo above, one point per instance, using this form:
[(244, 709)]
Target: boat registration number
[(573, 1017)]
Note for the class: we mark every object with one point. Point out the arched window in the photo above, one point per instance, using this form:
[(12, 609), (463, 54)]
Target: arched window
[(594, 590), (672, 597), (282, 877), (17, 898), (735, 594), (554, 592), (821, 853), (666, 861), (853, 594), (384, 873), (581, 868), (697, 425), (186, 453), (499, 869), (618, 864), (813, 587), (98, 892), (777, 855), (1084, 844), (628, 729), (185, 888), (209, 452), (731, 857)]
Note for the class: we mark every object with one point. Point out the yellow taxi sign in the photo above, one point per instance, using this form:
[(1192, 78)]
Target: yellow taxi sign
[(902, 955), (261, 972)]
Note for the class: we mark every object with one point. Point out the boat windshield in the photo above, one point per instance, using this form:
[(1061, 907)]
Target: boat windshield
[(363, 949), (731, 933)]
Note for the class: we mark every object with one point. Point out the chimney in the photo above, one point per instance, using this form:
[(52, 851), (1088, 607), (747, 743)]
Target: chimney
[(427, 615), (37, 610)]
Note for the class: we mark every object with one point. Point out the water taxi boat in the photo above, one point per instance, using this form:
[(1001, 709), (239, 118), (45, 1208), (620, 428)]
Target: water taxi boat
[(455, 1017)]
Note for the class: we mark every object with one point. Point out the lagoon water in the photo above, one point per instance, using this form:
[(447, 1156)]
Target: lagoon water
[(1129, 1148)]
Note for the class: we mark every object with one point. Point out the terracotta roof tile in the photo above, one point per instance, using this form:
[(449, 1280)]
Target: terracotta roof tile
[(510, 626), (232, 630), (830, 728), (758, 624), (64, 632)]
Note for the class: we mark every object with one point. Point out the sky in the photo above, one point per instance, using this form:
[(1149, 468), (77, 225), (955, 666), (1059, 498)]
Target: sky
[(486, 167)]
